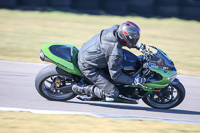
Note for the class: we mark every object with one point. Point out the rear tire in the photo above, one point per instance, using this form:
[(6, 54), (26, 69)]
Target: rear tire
[(152, 102), (42, 81)]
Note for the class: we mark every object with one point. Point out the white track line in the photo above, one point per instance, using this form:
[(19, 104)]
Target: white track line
[(37, 111)]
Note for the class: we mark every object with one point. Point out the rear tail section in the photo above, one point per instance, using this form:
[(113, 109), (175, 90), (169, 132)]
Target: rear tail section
[(63, 55)]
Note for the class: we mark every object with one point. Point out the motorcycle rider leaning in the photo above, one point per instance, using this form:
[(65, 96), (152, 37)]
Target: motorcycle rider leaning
[(104, 50)]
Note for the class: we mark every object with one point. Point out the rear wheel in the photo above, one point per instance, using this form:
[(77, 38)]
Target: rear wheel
[(167, 98), (54, 84)]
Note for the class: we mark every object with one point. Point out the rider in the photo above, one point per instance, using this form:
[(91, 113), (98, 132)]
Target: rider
[(104, 50)]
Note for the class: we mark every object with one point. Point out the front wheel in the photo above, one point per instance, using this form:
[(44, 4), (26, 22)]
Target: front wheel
[(54, 84), (167, 98)]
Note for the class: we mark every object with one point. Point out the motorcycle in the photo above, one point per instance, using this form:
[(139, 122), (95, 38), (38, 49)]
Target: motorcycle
[(161, 90)]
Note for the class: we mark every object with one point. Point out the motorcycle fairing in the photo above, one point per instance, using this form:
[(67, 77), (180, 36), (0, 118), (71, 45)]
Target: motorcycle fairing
[(164, 82), (63, 55)]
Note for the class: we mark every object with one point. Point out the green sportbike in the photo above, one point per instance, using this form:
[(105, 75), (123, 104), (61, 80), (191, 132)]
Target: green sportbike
[(161, 89)]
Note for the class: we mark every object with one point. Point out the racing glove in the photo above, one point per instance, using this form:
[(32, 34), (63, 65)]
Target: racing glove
[(139, 81), (140, 46)]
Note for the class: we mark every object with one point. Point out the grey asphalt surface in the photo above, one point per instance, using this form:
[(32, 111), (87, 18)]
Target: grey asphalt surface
[(18, 91)]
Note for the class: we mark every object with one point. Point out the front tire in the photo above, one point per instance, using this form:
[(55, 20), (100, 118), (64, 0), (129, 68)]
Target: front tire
[(169, 97), (50, 81)]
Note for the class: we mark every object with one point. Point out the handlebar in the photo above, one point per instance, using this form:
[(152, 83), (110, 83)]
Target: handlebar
[(147, 54)]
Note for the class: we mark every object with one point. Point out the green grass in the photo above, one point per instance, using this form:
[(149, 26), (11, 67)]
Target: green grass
[(23, 33), (24, 122)]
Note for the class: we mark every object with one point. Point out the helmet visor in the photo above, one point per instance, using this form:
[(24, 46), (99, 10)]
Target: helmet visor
[(132, 42)]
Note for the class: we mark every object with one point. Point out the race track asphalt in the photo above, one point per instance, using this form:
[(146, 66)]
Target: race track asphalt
[(18, 91)]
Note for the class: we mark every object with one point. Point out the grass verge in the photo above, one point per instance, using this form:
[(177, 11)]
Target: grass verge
[(22, 33), (18, 122)]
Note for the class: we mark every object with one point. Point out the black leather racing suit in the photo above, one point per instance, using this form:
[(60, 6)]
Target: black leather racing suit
[(104, 50)]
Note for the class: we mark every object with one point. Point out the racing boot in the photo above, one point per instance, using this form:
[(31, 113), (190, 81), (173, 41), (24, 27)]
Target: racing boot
[(83, 90), (94, 93), (108, 96), (110, 92), (86, 93)]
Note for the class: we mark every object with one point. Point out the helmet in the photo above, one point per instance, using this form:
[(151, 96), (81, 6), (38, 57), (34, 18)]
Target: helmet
[(129, 34)]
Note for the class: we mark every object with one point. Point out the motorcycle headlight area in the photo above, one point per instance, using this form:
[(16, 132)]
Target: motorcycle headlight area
[(172, 78)]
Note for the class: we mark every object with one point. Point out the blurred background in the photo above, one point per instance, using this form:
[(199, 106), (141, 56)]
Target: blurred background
[(186, 9), (172, 25)]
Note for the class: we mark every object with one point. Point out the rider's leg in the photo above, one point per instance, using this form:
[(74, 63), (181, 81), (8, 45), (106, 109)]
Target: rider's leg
[(102, 89)]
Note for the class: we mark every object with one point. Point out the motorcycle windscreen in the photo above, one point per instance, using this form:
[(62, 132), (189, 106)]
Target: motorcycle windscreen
[(161, 60)]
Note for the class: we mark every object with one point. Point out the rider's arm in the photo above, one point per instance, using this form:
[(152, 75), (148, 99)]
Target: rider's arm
[(115, 66)]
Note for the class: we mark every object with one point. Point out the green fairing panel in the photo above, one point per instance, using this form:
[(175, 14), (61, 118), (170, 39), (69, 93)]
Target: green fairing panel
[(162, 83), (67, 66)]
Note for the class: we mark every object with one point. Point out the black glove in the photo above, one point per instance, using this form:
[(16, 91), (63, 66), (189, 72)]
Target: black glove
[(139, 81), (140, 46)]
